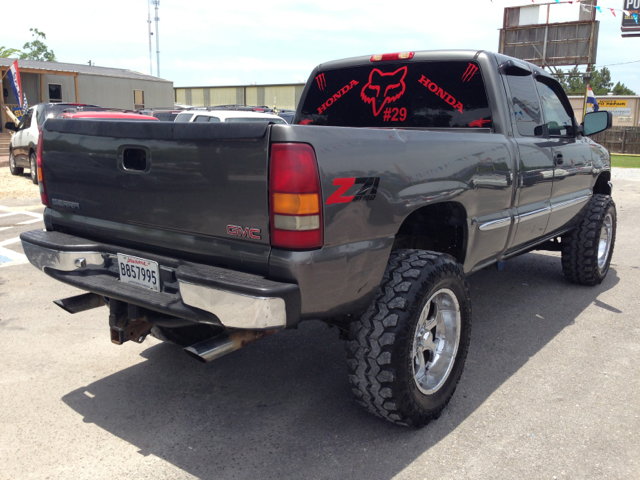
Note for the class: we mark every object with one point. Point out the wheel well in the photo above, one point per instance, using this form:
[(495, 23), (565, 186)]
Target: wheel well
[(602, 184), (441, 227)]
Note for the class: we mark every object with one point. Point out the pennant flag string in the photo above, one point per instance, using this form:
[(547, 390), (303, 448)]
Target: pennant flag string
[(588, 8)]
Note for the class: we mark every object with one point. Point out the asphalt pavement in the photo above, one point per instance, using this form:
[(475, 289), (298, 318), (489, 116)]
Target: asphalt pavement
[(550, 390)]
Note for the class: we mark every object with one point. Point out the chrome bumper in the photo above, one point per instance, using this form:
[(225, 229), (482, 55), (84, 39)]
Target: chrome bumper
[(235, 310), (236, 299)]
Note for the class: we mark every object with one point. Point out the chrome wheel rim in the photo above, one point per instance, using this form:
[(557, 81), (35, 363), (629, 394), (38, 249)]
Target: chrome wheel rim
[(604, 245), (436, 340)]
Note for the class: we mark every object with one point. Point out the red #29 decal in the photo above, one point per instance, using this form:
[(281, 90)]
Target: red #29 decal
[(383, 87)]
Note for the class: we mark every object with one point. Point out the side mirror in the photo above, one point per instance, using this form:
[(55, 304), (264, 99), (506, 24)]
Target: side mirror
[(596, 122), (11, 126)]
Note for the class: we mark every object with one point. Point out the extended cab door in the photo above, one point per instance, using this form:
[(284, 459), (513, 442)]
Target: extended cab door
[(572, 176), (535, 162)]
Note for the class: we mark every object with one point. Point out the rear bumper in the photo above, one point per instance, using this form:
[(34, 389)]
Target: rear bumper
[(199, 293)]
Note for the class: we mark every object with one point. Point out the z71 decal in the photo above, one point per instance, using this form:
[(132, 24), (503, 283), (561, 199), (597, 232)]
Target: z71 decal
[(367, 192)]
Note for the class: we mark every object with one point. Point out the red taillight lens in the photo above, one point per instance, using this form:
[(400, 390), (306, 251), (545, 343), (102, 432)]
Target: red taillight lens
[(386, 57), (295, 198), (41, 184)]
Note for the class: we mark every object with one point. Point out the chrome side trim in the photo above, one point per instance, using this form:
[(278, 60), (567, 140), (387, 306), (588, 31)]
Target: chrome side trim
[(235, 310), (494, 224), (570, 203), (534, 214), (41, 257)]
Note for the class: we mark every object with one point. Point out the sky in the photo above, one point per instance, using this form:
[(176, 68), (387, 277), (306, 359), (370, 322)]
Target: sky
[(204, 42)]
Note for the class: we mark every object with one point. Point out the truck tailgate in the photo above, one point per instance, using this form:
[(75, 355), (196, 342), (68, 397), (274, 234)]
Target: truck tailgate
[(170, 185)]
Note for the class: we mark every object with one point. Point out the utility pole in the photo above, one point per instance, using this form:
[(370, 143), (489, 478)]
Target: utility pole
[(150, 33), (156, 3)]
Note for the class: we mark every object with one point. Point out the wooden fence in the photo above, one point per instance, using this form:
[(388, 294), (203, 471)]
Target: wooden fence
[(620, 140)]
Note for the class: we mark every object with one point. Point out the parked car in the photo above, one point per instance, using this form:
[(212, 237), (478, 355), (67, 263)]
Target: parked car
[(24, 143), (162, 114), (287, 115), (402, 174), (228, 116)]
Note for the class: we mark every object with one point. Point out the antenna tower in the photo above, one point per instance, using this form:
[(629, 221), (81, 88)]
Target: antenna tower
[(156, 4), (150, 33)]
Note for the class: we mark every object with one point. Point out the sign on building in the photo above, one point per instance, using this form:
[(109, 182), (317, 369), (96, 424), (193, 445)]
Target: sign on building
[(630, 28), (618, 108)]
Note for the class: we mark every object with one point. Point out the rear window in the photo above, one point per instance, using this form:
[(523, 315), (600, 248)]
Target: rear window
[(410, 95), (183, 117), (165, 116)]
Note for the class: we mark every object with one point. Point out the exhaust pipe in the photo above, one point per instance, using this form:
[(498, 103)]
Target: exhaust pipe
[(220, 345), (80, 303)]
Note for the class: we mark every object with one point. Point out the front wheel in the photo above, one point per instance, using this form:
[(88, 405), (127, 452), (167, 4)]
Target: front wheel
[(587, 249), (407, 352), (33, 166)]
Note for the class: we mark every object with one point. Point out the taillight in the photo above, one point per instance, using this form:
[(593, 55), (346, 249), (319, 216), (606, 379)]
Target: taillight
[(295, 197), (386, 57), (41, 184)]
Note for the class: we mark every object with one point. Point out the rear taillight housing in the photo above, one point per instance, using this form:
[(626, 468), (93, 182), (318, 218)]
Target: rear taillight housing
[(295, 198), (41, 183)]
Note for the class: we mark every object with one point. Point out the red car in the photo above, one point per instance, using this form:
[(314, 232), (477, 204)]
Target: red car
[(107, 115)]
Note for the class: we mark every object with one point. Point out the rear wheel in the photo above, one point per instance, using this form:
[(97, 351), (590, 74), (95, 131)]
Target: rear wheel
[(407, 351), (587, 250), (33, 166), (12, 165)]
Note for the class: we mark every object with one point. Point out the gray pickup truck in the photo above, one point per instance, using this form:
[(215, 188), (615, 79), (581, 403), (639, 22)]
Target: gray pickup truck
[(400, 175)]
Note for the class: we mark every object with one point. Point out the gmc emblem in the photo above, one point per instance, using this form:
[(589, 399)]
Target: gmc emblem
[(238, 231)]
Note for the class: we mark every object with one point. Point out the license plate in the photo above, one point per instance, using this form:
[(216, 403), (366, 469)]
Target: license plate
[(138, 271)]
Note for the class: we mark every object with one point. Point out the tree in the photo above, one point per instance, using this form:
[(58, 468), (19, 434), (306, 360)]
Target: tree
[(6, 52), (601, 83), (622, 89), (37, 49)]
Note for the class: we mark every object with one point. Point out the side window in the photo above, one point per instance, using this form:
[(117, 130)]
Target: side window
[(525, 106), (559, 120), (27, 119), (40, 114), (201, 119), (214, 120)]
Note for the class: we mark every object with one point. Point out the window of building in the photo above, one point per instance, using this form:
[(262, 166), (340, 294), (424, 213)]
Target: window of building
[(55, 93), (138, 99)]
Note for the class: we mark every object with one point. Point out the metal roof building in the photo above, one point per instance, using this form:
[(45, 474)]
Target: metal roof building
[(67, 82), (282, 95)]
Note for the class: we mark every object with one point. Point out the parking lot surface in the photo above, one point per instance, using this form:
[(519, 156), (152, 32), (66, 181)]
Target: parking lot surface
[(550, 390)]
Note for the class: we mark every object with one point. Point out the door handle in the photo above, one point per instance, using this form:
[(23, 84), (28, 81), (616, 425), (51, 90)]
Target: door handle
[(557, 157)]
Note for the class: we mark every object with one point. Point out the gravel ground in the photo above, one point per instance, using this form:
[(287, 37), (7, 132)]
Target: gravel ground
[(20, 186), (632, 174)]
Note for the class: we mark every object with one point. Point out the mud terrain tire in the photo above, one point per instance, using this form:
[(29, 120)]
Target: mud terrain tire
[(394, 345), (587, 249)]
